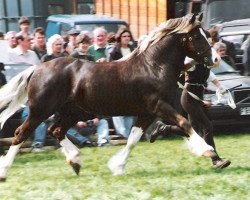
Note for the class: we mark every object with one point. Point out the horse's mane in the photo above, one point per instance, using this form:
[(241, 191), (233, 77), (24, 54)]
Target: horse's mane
[(176, 25)]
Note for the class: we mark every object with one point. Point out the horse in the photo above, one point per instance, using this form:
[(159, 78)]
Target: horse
[(142, 84)]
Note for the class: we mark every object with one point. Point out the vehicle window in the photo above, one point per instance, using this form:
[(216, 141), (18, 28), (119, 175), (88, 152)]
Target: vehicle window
[(12, 70), (52, 28), (215, 8), (85, 8), (234, 38), (90, 27), (223, 67), (55, 9), (64, 28)]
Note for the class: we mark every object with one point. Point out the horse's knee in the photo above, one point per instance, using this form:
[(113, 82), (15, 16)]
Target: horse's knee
[(184, 124)]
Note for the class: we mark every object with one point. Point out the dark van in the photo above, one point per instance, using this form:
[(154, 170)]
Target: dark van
[(61, 24)]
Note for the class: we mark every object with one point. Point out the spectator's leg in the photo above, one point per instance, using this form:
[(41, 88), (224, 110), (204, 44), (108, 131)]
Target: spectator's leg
[(102, 132), (40, 136), (77, 138)]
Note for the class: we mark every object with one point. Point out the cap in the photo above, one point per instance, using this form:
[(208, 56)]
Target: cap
[(73, 32), (83, 38), (23, 20)]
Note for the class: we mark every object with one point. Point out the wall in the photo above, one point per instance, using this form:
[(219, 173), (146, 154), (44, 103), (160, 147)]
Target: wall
[(142, 15)]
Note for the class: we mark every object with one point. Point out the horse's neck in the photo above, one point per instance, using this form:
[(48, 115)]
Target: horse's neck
[(167, 55)]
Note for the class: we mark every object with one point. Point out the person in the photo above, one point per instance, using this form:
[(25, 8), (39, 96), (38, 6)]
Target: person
[(1, 36), (54, 48), (100, 47), (39, 46), (230, 48), (221, 49), (11, 38), (3, 80), (40, 133), (22, 53), (195, 81), (24, 24), (246, 56), (97, 125), (81, 52), (122, 124), (72, 34)]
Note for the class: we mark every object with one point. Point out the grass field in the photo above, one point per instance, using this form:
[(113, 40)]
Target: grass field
[(164, 170)]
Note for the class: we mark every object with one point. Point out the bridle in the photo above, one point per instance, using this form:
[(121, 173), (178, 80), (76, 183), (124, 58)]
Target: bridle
[(185, 42)]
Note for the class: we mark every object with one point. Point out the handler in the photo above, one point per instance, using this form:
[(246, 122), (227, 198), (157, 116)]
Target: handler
[(191, 100)]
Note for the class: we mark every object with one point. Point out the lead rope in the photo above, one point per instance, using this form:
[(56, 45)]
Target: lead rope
[(190, 93), (230, 100)]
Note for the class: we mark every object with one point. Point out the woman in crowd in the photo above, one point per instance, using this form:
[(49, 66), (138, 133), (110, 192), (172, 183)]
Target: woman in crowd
[(83, 41), (54, 48), (122, 124)]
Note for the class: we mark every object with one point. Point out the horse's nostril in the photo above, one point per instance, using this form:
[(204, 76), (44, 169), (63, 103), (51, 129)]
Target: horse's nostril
[(216, 60)]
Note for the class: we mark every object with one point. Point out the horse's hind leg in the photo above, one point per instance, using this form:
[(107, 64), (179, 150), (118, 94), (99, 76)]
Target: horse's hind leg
[(21, 134), (196, 144), (64, 120), (117, 163)]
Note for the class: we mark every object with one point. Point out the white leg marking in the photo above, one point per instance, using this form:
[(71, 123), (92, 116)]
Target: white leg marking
[(70, 151), (197, 145), (7, 160), (117, 163)]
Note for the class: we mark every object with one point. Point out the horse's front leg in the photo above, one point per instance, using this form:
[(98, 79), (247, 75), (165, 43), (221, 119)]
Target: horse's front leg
[(196, 144), (70, 151), (118, 162)]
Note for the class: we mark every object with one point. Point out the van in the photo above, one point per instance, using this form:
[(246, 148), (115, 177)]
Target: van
[(61, 24)]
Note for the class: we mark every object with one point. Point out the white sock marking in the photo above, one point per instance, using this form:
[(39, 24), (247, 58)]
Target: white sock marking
[(117, 163), (197, 145), (70, 151)]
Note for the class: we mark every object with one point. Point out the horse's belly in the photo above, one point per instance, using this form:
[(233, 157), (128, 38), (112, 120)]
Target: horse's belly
[(111, 106)]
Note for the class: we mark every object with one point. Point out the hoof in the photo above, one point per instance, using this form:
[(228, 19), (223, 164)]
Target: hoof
[(2, 179), (209, 154), (76, 167)]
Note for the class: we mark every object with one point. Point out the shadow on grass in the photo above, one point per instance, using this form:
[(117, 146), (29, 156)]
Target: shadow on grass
[(179, 172)]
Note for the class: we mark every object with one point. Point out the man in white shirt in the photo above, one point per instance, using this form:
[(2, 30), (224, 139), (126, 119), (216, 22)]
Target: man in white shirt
[(22, 53)]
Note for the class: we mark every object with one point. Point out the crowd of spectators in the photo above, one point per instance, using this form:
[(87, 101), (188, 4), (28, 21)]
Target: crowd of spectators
[(97, 46)]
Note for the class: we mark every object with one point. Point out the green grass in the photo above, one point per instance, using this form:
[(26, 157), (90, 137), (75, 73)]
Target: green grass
[(164, 170)]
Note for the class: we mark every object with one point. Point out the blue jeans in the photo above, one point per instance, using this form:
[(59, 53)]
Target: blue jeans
[(40, 132), (102, 131), (76, 137), (123, 124)]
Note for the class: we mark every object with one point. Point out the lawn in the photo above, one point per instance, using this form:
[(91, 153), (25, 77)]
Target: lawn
[(164, 170)]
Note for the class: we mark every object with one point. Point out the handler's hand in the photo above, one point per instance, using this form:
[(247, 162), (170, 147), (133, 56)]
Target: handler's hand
[(81, 124), (207, 104)]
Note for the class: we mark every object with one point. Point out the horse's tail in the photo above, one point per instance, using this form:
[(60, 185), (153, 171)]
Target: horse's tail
[(13, 95)]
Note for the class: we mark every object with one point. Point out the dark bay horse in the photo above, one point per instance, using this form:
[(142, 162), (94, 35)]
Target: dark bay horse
[(142, 84)]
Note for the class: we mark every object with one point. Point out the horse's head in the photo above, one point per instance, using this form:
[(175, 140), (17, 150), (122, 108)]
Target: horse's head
[(196, 44)]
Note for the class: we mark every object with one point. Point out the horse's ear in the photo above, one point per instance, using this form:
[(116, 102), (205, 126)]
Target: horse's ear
[(200, 17), (192, 20)]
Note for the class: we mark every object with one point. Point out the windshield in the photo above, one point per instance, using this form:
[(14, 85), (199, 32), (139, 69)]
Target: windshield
[(90, 27), (226, 10), (223, 68)]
